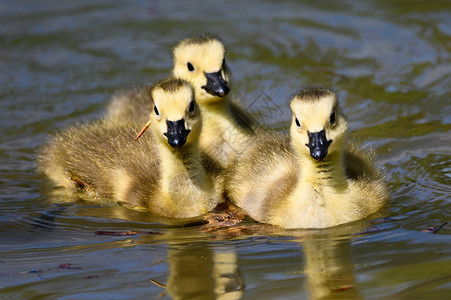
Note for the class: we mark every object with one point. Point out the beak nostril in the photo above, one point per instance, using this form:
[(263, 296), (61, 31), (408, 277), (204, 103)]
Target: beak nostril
[(177, 133)]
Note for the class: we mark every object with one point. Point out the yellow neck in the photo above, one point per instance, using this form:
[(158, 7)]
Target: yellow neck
[(217, 112), (183, 162), (317, 193), (184, 183), (328, 173), (222, 137)]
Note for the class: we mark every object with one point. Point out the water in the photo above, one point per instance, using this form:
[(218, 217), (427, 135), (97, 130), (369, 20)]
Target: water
[(62, 60)]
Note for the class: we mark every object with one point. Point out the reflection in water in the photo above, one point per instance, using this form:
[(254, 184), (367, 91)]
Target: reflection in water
[(198, 272), (229, 282), (328, 262), (190, 274), (201, 270), (329, 268)]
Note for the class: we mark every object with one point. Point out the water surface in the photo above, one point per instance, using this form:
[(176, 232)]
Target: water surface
[(391, 64)]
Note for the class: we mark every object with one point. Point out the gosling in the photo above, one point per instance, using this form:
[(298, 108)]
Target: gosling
[(201, 61), (317, 180), (160, 172)]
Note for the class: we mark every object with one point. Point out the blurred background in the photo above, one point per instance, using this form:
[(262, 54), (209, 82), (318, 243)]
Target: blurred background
[(390, 62)]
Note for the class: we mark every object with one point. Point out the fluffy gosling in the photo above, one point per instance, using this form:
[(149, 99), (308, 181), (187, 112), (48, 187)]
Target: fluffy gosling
[(226, 127), (161, 172), (317, 180)]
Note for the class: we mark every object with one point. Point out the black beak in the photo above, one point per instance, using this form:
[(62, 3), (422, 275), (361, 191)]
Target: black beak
[(176, 133), (216, 85), (318, 144)]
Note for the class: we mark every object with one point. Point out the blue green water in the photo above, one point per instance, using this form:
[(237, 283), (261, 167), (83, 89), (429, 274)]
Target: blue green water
[(390, 61)]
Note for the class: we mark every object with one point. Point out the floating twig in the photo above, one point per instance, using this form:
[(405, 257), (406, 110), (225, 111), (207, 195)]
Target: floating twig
[(81, 184), (373, 229), (68, 266), (156, 262), (36, 272), (434, 230), (115, 233), (343, 288), (158, 283), (142, 130)]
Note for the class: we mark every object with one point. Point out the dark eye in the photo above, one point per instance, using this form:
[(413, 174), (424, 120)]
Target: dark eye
[(297, 123), (155, 109), (191, 107), (190, 67), (332, 118)]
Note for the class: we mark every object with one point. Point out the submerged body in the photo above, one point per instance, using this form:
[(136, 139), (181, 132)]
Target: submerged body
[(160, 172), (314, 180)]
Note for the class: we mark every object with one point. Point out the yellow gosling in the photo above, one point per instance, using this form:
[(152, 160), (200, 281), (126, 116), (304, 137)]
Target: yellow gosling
[(318, 180), (161, 172), (226, 127)]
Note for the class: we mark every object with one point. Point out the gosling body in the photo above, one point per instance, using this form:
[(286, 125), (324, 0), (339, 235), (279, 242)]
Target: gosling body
[(314, 179), (129, 107), (160, 172)]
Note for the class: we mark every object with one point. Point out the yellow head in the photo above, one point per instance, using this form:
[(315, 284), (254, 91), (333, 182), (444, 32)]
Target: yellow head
[(318, 128), (200, 60), (175, 118)]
